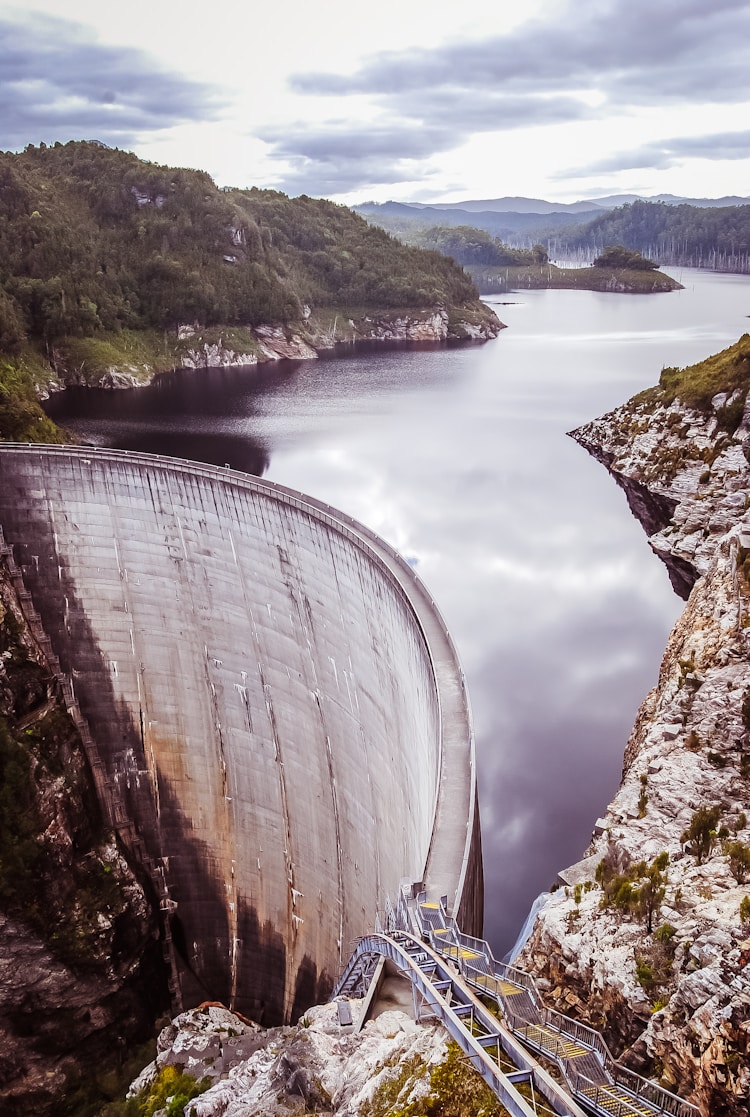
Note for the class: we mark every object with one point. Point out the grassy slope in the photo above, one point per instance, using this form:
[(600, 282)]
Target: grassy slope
[(696, 385), (21, 417)]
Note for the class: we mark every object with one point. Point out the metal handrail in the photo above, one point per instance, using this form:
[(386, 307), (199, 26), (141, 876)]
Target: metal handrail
[(469, 1023), (486, 973)]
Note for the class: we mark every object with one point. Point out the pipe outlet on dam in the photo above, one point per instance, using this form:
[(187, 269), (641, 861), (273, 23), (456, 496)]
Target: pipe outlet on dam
[(279, 728)]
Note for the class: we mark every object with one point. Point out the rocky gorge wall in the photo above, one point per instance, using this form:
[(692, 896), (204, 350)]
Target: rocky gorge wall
[(650, 939), (82, 974), (278, 717)]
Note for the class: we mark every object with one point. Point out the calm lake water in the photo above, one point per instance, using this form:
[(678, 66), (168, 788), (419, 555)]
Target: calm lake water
[(459, 457)]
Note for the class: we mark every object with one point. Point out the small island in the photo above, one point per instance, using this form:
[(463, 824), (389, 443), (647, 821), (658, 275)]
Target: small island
[(617, 269), (497, 268)]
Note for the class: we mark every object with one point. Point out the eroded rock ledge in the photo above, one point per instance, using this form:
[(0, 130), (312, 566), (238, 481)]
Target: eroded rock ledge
[(675, 998), (193, 346), (684, 472), (314, 1066)]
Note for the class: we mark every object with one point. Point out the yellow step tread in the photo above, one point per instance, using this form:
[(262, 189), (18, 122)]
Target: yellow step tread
[(613, 1097), (463, 951), (509, 990), (547, 1036)]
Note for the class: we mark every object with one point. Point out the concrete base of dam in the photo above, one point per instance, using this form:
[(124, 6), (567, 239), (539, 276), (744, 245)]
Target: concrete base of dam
[(279, 724)]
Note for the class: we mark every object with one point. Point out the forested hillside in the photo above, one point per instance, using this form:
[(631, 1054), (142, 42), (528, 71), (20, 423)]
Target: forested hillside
[(95, 239), (689, 235), (468, 245), (102, 254), (692, 236)]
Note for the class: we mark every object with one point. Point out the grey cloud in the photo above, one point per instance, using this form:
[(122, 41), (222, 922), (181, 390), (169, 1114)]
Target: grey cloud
[(56, 82), (333, 143), (460, 109), (628, 50), (341, 156), (666, 153), (322, 178)]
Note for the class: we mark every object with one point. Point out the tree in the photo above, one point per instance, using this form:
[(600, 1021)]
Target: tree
[(745, 910), (652, 889), (739, 860), (638, 888), (616, 256), (701, 833)]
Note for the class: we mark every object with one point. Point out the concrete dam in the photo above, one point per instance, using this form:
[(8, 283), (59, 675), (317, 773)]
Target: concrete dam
[(279, 729)]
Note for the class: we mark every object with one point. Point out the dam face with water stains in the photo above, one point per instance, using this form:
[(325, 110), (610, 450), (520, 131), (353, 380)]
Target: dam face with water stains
[(278, 723)]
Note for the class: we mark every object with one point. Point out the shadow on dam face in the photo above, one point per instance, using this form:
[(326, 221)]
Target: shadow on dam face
[(277, 713)]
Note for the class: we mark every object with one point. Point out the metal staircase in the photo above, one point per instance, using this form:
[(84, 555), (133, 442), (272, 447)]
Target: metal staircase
[(524, 1087), (591, 1073), (449, 971)]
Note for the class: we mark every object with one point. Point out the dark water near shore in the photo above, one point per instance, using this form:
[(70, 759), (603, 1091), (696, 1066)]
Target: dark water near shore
[(459, 457)]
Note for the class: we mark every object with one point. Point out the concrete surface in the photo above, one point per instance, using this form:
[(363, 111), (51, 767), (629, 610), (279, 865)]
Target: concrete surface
[(276, 705)]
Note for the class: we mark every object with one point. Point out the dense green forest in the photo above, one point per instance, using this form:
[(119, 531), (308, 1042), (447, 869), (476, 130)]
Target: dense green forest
[(468, 245), (102, 254), (691, 236), (94, 239)]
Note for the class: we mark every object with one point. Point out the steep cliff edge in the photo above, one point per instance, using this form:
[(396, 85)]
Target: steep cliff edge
[(650, 940), (682, 462), (81, 971)]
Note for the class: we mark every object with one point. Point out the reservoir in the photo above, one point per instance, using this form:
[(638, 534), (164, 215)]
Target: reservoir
[(459, 458)]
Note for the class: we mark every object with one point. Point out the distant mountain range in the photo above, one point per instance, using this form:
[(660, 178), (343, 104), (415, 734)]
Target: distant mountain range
[(513, 204), (511, 218)]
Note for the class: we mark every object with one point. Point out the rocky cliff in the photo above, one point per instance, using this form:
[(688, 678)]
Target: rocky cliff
[(313, 1066), (650, 937), (81, 970), (221, 1065), (136, 362)]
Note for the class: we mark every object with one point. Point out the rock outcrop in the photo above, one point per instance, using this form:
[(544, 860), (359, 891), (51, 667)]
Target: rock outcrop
[(81, 969), (684, 472), (193, 346), (315, 1066), (650, 940)]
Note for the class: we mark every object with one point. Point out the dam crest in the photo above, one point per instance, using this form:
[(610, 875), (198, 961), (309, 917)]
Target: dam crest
[(278, 720)]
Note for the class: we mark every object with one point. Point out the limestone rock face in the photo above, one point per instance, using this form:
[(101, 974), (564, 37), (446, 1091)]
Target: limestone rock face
[(685, 475), (275, 343), (677, 999), (301, 341), (315, 1066)]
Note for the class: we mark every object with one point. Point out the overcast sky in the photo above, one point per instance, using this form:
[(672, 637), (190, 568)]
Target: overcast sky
[(420, 100)]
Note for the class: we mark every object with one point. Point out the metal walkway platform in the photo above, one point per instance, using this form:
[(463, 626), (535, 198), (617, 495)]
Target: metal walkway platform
[(524, 1087), (447, 970)]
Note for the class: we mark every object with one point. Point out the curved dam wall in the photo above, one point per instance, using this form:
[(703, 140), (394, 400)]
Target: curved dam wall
[(279, 722)]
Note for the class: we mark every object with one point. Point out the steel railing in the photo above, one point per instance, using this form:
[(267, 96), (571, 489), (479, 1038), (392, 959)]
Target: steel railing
[(548, 1031)]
